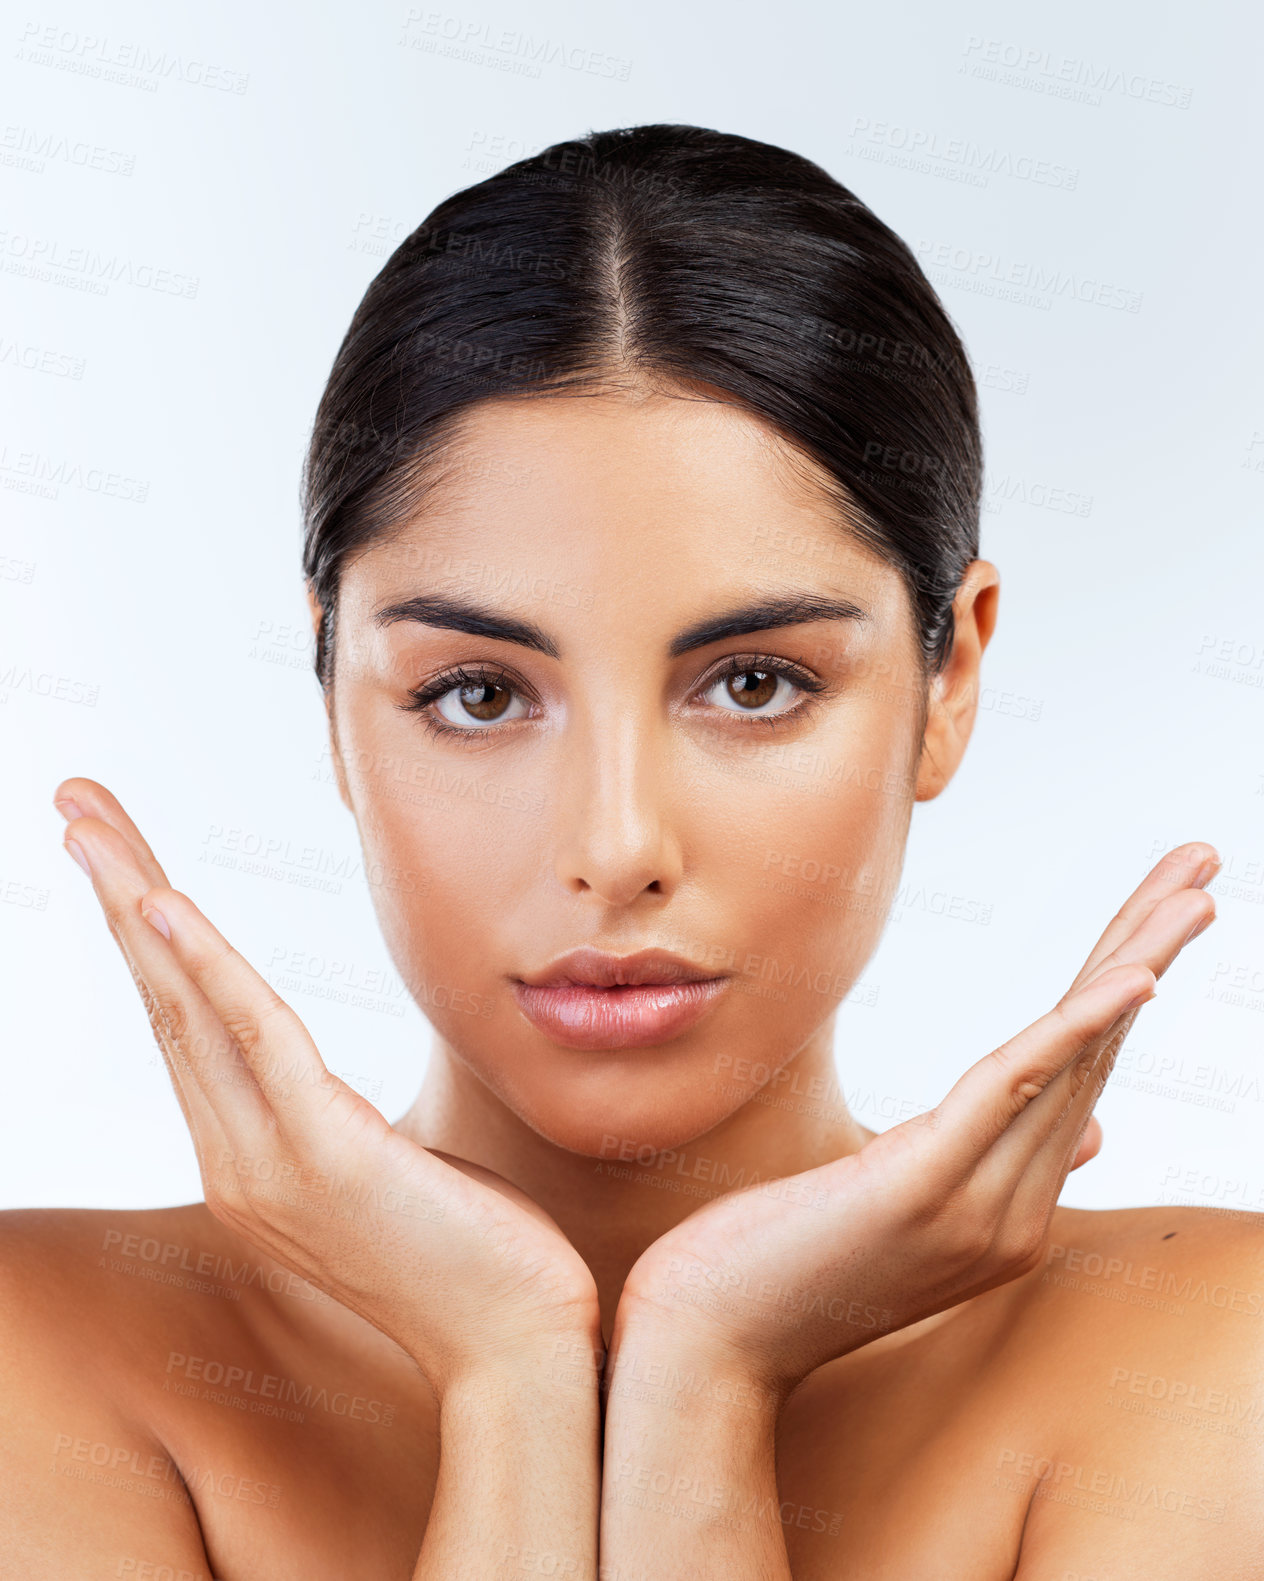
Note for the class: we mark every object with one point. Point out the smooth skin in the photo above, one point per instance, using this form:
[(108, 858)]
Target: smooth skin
[(862, 1363)]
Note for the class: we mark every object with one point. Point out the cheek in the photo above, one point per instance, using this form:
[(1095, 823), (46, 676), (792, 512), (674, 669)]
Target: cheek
[(447, 850), (808, 858)]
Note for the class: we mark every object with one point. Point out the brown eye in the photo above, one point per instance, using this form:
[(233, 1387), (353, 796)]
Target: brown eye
[(477, 701), (765, 689), (752, 688), (485, 700)]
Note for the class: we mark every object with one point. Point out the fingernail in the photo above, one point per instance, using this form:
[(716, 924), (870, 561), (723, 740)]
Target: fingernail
[(1199, 928), (157, 920), (1141, 999), (76, 850), (70, 810), (1207, 870)]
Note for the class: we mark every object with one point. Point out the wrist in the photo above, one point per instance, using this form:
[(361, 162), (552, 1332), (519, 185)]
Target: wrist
[(692, 1372), (520, 1371), (774, 1333)]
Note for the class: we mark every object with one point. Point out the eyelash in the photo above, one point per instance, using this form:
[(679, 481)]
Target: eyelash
[(421, 697)]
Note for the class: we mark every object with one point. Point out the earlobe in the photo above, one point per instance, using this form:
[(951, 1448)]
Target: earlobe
[(953, 696), (335, 755), (314, 609), (933, 771), (335, 752)]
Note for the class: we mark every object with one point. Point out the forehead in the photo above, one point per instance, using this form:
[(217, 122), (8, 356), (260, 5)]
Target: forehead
[(662, 494)]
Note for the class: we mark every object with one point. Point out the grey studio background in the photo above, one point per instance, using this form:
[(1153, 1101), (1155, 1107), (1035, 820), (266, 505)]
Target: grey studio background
[(194, 202)]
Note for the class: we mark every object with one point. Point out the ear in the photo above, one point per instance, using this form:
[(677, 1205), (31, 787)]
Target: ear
[(954, 692), (316, 610)]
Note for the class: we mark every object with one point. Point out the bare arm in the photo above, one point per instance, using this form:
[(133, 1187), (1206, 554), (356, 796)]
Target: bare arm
[(689, 1490), (519, 1473)]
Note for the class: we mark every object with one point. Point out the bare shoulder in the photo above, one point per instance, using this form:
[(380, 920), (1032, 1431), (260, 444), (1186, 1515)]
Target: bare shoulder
[(1163, 1277), (1173, 1242), (85, 1471), (1149, 1327), (81, 1266)]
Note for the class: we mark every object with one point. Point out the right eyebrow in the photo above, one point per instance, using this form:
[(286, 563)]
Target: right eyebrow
[(431, 609)]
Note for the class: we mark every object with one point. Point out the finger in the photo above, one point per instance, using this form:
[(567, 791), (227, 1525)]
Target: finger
[(80, 797), (275, 1045), (1047, 1079), (214, 1087), (1189, 866), (989, 1098), (1020, 1115), (1063, 1108)]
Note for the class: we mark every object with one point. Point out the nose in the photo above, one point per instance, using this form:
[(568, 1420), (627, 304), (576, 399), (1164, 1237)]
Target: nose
[(615, 839)]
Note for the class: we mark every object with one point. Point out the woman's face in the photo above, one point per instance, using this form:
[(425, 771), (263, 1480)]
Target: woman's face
[(628, 779)]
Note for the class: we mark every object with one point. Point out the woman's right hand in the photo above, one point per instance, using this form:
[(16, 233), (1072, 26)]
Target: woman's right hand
[(458, 1266)]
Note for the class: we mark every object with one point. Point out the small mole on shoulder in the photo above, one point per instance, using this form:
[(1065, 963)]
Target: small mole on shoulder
[(1168, 1236)]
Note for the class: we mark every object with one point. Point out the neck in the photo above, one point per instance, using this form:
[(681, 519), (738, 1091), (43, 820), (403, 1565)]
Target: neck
[(611, 1208)]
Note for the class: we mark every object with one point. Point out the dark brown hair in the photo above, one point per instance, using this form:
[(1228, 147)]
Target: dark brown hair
[(678, 256)]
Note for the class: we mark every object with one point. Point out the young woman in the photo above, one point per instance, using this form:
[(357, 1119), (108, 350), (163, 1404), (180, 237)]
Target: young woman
[(642, 513)]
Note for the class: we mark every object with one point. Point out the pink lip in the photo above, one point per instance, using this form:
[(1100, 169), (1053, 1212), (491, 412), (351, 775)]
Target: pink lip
[(583, 1017)]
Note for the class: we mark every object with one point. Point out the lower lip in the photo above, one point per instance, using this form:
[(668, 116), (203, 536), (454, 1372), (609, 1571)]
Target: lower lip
[(617, 1018)]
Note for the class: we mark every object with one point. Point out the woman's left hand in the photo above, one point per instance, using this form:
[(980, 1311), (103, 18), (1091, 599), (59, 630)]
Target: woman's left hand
[(773, 1281)]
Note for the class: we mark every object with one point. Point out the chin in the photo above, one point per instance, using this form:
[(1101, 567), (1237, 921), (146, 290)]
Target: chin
[(616, 1105)]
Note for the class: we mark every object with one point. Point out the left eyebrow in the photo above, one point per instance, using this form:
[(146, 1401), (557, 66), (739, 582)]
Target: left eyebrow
[(793, 609)]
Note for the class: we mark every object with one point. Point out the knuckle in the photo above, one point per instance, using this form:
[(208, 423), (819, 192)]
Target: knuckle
[(271, 1008), (221, 1200), (1074, 1035), (228, 1208), (1064, 1020), (227, 1195), (967, 1226), (168, 1010), (1080, 1075), (243, 1026), (1019, 1244), (250, 1025), (1024, 1076)]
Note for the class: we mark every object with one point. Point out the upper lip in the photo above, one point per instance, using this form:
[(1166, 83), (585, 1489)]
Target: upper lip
[(589, 968)]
